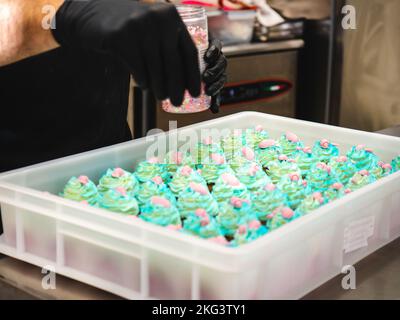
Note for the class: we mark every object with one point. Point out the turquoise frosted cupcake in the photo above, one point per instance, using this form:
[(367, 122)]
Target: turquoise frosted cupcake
[(233, 143), (360, 179), (201, 223), (228, 186), (161, 211), (336, 191), (320, 177), (248, 232), (255, 135), (119, 200), (266, 200), (182, 178), (396, 164), (295, 188), (282, 167), (342, 169), (267, 151), (148, 169), (175, 159), (154, 187), (204, 149), (381, 170), (305, 159), (244, 156), (81, 189), (279, 217), (310, 203), (362, 157), (290, 143), (232, 214), (118, 177), (324, 150), (252, 176), (213, 168), (196, 196)]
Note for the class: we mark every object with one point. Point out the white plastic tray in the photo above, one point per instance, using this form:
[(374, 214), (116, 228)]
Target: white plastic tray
[(138, 260)]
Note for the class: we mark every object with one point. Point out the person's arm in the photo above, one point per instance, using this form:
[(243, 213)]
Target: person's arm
[(22, 34)]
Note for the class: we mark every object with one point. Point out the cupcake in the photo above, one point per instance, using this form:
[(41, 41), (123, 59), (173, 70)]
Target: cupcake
[(232, 144), (360, 179), (289, 143), (395, 164), (228, 186), (148, 169), (320, 177), (266, 151), (362, 157), (342, 168), (81, 189), (182, 178), (175, 159), (255, 135), (196, 196), (204, 149), (201, 223), (295, 188), (118, 177), (266, 200), (232, 214), (335, 191), (310, 203), (252, 176), (381, 170), (282, 167), (213, 168), (119, 200), (279, 217), (324, 150), (248, 232), (244, 156), (154, 187), (160, 210), (305, 159)]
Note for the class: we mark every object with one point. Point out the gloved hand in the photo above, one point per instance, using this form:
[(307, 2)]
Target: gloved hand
[(151, 39), (214, 76)]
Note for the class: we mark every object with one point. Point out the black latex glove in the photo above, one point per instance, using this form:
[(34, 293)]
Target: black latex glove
[(214, 76), (151, 39)]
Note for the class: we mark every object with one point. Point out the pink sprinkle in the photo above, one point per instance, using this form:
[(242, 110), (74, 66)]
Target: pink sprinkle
[(307, 150), (157, 180), (242, 229), (304, 182), (200, 212), (287, 213), (153, 160), (259, 128), (283, 157), (217, 158), (83, 179), (360, 147), (369, 150), (254, 224), (341, 159), (208, 141), (186, 171), (266, 144), (347, 191), (318, 196), (270, 216), (230, 179), (335, 144), (324, 167), (364, 172), (324, 143), (118, 172), (236, 202), (292, 137), (196, 187), (177, 157), (248, 153), (121, 190), (205, 221), (337, 186), (294, 176), (174, 227), (161, 201), (84, 202), (270, 187), (253, 170), (237, 132), (220, 240), (386, 166)]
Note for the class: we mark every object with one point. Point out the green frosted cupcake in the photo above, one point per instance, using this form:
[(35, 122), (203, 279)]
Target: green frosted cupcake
[(360, 179), (381, 170), (290, 143), (81, 189), (148, 169), (255, 135), (282, 167), (266, 200), (245, 156), (305, 159), (362, 157), (252, 176), (279, 217), (175, 159), (213, 168), (249, 232), (182, 178), (228, 186), (202, 224), (324, 150), (119, 200), (161, 211), (310, 203), (396, 164), (267, 151), (232, 144), (335, 191), (154, 187), (295, 188), (204, 149), (320, 177), (342, 169), (118, 177)]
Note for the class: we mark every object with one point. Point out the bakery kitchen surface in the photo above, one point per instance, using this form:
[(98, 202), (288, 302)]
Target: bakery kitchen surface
[(254, 157)]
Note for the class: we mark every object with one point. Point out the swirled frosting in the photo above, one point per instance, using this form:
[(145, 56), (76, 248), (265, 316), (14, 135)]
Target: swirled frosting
[(362, 157), (395, 164), (324, 150), (295, 187), (175, 159), (282, 167), (228, 186), (214, 167), (232, 144), (201, 223), (154, 187), (279, 217), (335, 191), (381, 170), (204, 149), (266, 151), (320, 177), (252, 176), (81, 189), (360, 179), (255, 135), (244, 156), (289, 143), (181, 179), (305, 159), (310, 203), (342, 168), (119, 200), (118, 177), (148, 169), (249, 232), (161, 211), (266, 200), (196, 196)]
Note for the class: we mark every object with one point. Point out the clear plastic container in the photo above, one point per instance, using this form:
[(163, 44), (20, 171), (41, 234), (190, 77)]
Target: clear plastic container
[(195, 19)]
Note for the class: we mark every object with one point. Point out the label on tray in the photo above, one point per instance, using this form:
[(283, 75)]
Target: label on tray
[(357, 232)]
